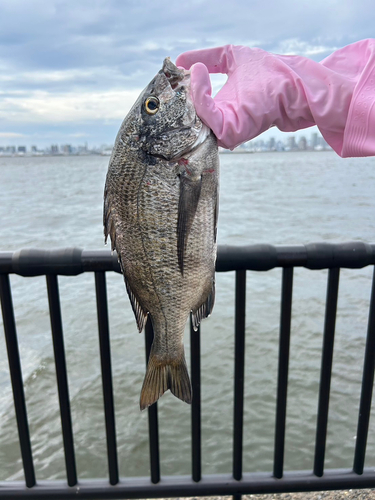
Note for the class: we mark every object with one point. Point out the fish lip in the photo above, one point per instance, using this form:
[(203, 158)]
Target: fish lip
[(176, 75)]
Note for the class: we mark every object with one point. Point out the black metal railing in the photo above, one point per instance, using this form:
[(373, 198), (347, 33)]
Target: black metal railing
[(239, 259)]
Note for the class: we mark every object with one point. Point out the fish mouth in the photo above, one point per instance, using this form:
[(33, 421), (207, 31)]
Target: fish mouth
[(174, 75)]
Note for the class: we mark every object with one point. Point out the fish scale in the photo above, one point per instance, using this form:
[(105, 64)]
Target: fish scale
[(160, 211)]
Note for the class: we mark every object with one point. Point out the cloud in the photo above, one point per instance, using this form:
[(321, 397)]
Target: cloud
[(64, 62), (69, 79), (131, 35), (10, 135), (43, 107), (295, 46), (79, 135)]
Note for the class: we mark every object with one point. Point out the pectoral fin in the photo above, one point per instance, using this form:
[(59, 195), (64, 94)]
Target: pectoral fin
[(190, 191)]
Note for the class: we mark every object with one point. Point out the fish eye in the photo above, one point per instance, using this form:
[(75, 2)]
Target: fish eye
[(152, 105)]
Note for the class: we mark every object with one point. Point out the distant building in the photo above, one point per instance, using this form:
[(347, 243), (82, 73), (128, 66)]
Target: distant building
[(54, 149), (21, 150), (291, 143), (271, 145), (314, 140), (106, 152), (82, 150), (302, 144), (67, 149), (106, 149), (323, 143)]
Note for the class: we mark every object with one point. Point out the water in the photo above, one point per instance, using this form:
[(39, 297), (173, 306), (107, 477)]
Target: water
[(281, 198)]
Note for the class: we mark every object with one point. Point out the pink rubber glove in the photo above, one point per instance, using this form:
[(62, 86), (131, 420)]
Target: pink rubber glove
[(291, 92)]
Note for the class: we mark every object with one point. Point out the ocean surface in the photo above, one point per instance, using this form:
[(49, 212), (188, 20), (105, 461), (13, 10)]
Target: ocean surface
[(278, 198)]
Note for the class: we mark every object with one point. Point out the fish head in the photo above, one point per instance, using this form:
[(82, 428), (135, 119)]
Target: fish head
[(168, 124)]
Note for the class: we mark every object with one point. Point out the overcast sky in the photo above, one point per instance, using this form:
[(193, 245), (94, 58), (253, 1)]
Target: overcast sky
[(69, 71)]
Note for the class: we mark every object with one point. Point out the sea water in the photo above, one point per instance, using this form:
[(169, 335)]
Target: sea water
[(277, 198)]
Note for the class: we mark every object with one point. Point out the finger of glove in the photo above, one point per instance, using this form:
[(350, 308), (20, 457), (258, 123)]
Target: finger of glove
[(205, 106), (217, 60)]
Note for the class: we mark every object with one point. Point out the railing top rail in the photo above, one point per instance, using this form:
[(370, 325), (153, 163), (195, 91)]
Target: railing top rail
[(260, 257)]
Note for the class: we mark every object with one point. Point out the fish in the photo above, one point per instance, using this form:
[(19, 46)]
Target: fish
[(160, 212)]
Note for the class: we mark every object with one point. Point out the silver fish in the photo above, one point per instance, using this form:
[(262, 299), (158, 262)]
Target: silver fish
[(160, 211)]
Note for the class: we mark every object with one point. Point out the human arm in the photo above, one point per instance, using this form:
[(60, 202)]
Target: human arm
[(290, 92)]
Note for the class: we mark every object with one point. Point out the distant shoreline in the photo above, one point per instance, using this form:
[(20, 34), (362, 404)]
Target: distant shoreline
[(49, 155), (223, 152)]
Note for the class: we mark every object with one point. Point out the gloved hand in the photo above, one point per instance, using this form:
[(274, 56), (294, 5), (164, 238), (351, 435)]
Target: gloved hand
[(291, 92)]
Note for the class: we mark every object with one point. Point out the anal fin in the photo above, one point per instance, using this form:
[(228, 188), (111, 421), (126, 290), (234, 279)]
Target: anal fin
[(204, 310), (139, 313)]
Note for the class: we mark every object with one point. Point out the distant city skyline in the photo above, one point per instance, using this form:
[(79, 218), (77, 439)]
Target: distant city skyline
[(263, 143), (291, 142)]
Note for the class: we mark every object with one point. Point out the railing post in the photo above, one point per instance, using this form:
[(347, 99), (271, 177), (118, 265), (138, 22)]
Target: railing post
[(326, 369), (196, 447), (105, 360), (282, 382), (152, 415), (62, 379), (16, 379), (367, 387), (239, 370)]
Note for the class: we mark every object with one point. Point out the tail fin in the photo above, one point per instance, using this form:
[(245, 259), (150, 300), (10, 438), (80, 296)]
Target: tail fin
[(161, 376)]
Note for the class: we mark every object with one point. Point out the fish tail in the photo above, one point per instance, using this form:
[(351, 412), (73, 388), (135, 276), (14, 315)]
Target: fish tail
[(163, 375)]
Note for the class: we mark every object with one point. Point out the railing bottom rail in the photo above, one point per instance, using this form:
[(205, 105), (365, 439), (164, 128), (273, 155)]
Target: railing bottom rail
[(184, 486)]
